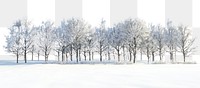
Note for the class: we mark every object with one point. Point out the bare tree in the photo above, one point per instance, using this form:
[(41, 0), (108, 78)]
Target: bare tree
[(46, 38), (64, 39), (13, 40), (152, 42), (77, 28), (36, 42), (26, 35), (146, 45), (148, 48), (89, 44), (117, 38), (23, 33), (185, 41), (171, 39), (101, 39), (76, 36), (135, 29), (158, 35)]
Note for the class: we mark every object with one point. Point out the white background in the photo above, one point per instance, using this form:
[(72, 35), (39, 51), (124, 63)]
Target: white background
[(94, 11)]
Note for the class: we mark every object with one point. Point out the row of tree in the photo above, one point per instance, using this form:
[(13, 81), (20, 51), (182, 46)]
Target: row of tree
[(77, 37)]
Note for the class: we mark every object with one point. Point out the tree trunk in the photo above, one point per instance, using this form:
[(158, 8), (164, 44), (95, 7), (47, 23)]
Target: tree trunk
[(123, 52), (160, 54), (63, 54), (17, 57), (89, 55), (148, 56), (38, 56), (46, 56), (135, 50), (77, 55), (92, 55), (100, 52), (84, 55), (134, 57), (58, 56), (25, 55), (71, 52), (171, 56), (118, 55), (100, 55), (153, 56), (32, 55), (105, 56), (108, 55), (184, 56), (130, 55)]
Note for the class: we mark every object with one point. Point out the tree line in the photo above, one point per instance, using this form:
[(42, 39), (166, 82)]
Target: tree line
[(74, 36)]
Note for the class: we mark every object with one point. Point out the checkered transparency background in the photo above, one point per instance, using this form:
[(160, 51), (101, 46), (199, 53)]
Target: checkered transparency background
[(156, 11)]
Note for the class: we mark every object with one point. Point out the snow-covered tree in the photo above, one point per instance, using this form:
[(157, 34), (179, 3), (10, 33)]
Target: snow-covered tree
[(22, 30), (13, 40), (171, 39), (145, 44), (36, 42), (135, 29), (185, 41), (147, 47), (101, 39), (117, 38), (77, 29), (152, 42), (64, 38), (159, 37), (46, 38), (89, 44), (26, 35), (75, 35), (33, 46)]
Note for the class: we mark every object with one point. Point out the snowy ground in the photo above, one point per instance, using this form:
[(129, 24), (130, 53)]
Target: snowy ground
[(40, 75), (100, 76)]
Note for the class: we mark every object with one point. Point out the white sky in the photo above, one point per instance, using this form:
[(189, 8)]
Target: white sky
[(152, 11), (196, 13), (41, 10), (96, 10)]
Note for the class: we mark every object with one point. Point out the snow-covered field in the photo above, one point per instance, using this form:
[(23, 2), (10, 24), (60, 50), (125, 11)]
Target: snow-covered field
[(37, 74), (100, 76)]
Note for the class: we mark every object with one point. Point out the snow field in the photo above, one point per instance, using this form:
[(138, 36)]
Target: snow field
[(100, 76)]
